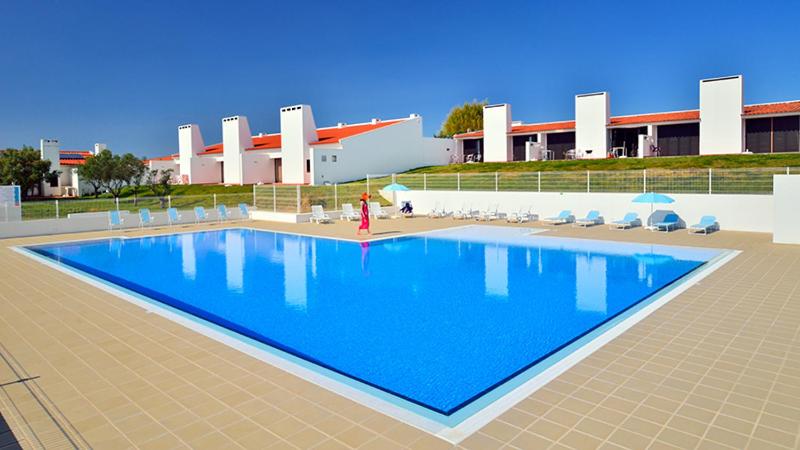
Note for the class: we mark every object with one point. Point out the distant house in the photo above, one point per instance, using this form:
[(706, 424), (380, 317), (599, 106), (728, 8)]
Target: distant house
[(302, 153), (723, 124), (66, 162)]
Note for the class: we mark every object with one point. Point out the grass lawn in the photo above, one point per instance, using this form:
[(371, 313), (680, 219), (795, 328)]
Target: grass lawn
[(677, 162)]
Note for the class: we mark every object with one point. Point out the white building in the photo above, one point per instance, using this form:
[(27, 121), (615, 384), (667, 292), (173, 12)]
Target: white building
[(302, 153), (67, 163), (723, 124)]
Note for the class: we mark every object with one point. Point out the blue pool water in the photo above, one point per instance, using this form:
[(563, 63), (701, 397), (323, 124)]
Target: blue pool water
[(437, 319)]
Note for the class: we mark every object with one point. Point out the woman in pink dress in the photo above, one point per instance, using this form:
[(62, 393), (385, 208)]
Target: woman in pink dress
[(364, 214)]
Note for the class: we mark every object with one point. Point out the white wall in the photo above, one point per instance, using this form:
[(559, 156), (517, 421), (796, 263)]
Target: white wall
[(389, 149), (298, 130), (496, 126), (721, 123), (592, 115), (734, 212), (194, 169), (787, 214), (258, 167), (236, 138)]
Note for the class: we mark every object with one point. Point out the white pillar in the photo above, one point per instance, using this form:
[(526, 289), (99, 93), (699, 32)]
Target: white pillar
[(721, 122), (592, 115), (298, 131), (236, 138), (496, 126)]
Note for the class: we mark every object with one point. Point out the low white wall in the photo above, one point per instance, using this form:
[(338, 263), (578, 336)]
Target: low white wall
[(787, 213), (81, 223), (734, 212)]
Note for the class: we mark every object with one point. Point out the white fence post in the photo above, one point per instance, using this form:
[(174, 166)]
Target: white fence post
[(298, 198), (425, 180), (539, 181), (215, 201), (116, 200), (787, 170), (335, 196), (496, 182), (709, 180), (274, 199), (644, 180), (588, 178), (169, 201), (458, 181), (367, 184), (57, 212), (254, 196), (394, 178)]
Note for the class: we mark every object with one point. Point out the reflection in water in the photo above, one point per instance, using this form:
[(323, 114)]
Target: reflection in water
[(188, 257), (295, 281), (234, 261), (365, 258), (590, 283), (496, 270)]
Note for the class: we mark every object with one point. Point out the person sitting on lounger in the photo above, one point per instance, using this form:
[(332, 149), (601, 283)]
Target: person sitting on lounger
[(407, 208)]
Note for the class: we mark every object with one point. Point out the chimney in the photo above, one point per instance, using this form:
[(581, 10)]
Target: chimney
[(721, 123), (99, 148), (236, 138), (49, 149), (496, 126), (592, 116), (190, 143), (341, 125), (374, 121), (298, 131)]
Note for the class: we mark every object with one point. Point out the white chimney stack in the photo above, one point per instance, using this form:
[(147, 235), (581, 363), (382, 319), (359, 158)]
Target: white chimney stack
[(49, 149), (190, 143), (496, 126), (592, 116), (298, 131), (99, 148), (236, 138)]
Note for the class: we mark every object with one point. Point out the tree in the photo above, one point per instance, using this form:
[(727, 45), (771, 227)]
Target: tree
[(467, 117), (160, 182), (25, 168), (138, 172), (92, 171), (110, 171)]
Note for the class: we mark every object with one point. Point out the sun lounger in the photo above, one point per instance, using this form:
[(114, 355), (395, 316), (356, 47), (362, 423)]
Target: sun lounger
[(376, 211), (669, 223), (592, 218), (173, 216), (437, 213), (706, 224), (114, 219), (630, 220), (489, 213), (464, 213), (520, 216), (199, 214), (244, 211), (145, 218), (348, 213), (222, 213), (318, 214), (564, 216)]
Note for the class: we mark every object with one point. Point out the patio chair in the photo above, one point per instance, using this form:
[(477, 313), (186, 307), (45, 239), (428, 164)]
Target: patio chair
[(318, 215), (563, 217), (114, 219), (348, 213), (463, 213), (706, 224), (592, 218), (173, 216), (437, 213), (244, 211), (520, 216), (668, 223), (199, 214), (489, 214), (376, 211), (630, 220), (222, 213), (145, 218)]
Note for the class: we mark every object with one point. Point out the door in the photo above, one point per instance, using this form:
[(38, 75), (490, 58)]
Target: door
[(278, 170)]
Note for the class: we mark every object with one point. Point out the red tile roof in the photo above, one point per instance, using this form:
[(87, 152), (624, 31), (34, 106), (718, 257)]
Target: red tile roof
[(162, 158), (772, 108), (330, 135), (675, 116), (73, 157)]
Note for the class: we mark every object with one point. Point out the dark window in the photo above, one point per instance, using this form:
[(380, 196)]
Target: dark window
[(518, 152), (786, 134), (54, 182), (473, 147), (679, 140), (559, 143), (628, 138), (308, 165), (758, 137)]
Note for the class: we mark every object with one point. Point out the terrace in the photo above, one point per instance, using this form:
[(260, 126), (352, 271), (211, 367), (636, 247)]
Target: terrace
[(716, 367)]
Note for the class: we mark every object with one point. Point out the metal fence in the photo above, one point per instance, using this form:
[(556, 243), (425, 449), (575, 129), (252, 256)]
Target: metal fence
[(62, 208), (298, 199)]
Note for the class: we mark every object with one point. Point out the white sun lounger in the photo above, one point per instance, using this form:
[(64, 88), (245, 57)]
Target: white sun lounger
[(348, 213), (318, 214)]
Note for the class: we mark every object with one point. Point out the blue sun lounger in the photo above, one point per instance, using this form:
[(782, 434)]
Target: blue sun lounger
[(199, 214), (707, 223), (145, 218), (630, 220), (592, 218), (114, 219), (668, 223), (173, 216)]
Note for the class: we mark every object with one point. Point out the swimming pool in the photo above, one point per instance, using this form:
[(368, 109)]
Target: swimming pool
[(440, 320)]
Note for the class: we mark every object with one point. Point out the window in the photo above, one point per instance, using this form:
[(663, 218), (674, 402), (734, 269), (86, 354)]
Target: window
[(323, 158), (679, 140), (54, 182), (308, 165), (333, 158)]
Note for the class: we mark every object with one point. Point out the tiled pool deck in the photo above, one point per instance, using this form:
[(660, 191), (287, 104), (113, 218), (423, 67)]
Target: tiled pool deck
[(717, 367)]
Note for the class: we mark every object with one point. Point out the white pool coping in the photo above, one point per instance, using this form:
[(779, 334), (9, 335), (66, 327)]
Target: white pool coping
[(460, 424)]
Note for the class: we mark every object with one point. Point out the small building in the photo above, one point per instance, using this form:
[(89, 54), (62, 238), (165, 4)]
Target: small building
[(722, 124), (66, 162), (302, 153)]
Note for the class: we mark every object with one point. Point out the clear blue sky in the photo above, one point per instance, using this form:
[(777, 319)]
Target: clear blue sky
[(128, 73)]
